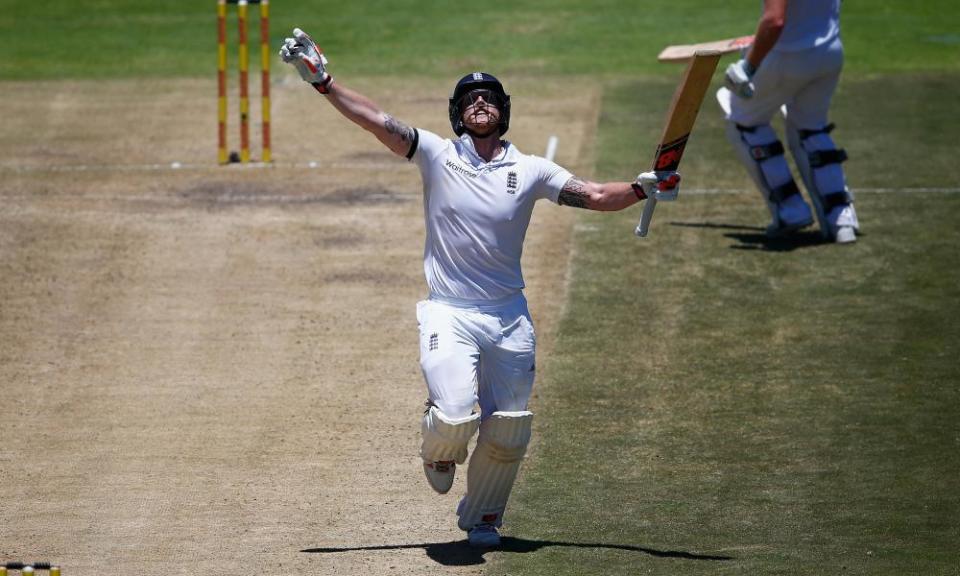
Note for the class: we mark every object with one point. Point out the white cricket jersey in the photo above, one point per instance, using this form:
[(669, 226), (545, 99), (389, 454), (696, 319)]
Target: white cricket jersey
[(809, 23), (477, 214)]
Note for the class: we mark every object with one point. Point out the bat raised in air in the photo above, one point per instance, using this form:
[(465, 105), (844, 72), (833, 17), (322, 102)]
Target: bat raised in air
[(680, 119), (684, 52)]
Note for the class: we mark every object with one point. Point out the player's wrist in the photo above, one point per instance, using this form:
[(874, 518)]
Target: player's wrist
[(638, 191), (323, 86)]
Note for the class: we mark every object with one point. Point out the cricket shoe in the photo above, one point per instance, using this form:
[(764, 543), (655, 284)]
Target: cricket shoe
[(440, 474), (845, 235), (843, 224), (483, 536)]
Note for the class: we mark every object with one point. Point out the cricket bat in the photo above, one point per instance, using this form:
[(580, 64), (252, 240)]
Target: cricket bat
[(680, 119), (684, 52)]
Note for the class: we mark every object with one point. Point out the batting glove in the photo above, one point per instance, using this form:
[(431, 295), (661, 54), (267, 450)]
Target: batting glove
[(660, 185), (739, 78), (304, 54)]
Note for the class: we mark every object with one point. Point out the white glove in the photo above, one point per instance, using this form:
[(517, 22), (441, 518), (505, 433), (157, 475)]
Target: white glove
[(660, 185), (739, 78), (304, 54)]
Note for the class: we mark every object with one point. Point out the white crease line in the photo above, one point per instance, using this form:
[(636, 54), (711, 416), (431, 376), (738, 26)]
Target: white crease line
[(896, 190), (179, 166), (721, 191)]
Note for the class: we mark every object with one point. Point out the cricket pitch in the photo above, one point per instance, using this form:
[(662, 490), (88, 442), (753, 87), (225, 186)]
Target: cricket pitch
[(215, 369)]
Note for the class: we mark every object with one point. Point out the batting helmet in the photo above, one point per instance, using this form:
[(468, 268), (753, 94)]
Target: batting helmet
[(475, 81)]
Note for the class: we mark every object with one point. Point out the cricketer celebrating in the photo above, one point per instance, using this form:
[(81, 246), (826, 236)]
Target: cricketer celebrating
[(477, 342), (794, 63)]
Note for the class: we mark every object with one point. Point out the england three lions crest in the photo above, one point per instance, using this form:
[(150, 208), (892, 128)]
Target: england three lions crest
[(512, 184)]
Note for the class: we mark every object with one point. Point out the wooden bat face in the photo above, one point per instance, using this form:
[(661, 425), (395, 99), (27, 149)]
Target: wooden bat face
[(680, 119), (684, 109)]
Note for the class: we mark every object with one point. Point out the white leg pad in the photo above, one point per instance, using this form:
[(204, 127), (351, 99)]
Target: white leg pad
[(820, 164), (446, 438), (759, 149), (501, 447)]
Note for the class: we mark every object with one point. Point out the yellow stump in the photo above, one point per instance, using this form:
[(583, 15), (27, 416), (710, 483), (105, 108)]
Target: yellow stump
[(222, 156), (244, 93), (265, 76)]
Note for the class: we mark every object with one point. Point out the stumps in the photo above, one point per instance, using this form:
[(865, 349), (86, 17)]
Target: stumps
[(243, 59)]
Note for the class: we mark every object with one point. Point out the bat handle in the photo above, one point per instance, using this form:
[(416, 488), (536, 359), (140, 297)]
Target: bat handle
[(644, 226)]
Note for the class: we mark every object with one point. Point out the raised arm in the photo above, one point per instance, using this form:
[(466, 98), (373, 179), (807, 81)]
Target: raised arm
[(360, 110), (739, 75), (611, 196), (304, 54), (768, 31)]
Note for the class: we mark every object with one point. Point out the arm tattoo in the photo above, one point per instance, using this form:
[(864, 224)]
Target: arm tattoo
[(397, 127), (573, 194)]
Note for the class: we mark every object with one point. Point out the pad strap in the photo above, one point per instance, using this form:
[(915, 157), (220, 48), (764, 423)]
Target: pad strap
[(834, 199), (804, 134), (821, 158), (779, 194), (763, 152)]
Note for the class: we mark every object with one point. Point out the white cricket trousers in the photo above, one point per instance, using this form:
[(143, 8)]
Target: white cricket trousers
[(477, 354), (803, 81)]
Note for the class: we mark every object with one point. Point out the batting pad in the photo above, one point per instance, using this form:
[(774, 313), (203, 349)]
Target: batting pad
[(816, 156), (446, 438), (493, 469)]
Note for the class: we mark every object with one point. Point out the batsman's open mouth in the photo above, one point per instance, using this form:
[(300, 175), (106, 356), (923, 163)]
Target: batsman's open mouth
[(483, 117)]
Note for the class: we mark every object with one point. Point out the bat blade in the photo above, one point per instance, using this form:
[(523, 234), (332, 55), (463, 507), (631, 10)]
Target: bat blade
[(684, 52), (681, 117)]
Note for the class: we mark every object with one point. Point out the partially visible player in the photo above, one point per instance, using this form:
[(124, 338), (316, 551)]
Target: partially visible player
[(793, 65), (477, 342)]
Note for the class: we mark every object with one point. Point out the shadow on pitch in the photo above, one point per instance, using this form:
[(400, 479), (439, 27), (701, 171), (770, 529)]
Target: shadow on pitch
[(755, 238), (459, 553)]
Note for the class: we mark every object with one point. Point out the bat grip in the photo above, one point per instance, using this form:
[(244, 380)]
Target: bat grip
[(644, 226)]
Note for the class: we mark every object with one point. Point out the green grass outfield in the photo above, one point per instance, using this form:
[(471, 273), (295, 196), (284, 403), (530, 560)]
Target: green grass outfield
[(722, 404), (115, 38), (715, 403)]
